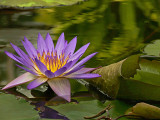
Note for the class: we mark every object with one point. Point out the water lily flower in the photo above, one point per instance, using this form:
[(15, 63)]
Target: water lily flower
[(51, 64)]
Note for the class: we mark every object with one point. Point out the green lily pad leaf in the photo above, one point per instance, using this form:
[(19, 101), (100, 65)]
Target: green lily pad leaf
[(34, 3), (133, 78), (75, 111), (142, 109), (153, 49), (149, 72), (129, 66), (13, 109), (145, 85), (136, 90), (108, 82)]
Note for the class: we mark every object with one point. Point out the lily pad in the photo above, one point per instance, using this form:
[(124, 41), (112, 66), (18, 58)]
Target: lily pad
[(34, 3), (153, 49), (13, 109), (133, 78), (108, 82), (75, 111), (149, 72)]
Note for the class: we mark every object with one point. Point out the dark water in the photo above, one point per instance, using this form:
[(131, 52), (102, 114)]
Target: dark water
[(115, 30)]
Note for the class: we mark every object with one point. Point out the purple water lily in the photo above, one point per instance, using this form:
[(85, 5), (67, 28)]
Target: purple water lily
[(51, 64)]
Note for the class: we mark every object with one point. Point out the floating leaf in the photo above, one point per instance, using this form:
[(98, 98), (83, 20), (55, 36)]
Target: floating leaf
[(136, 90), (108, 82), (13, 109), (149, 72), (133, 78), (153, 49), (145, 110), (35, 3), (129, 66), (75, 111)]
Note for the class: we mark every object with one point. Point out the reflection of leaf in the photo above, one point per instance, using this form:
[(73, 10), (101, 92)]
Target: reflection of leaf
[(34, 3), (153, 49), (114, 37), (145, 110), (12, 109)]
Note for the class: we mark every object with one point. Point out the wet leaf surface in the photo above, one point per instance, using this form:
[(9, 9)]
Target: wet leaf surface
[(77, 111), (13, 109)]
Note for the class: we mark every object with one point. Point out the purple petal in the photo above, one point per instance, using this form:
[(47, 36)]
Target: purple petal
[(22, 55), (83, 76), (68, 65), (73, 63), (41, 66), (79, 52), (64, 68), (71, 47), (14, 57), (31, 48), (61, 87), (84, 70), (66, 43), (60, 71), (20, 80), (74, 70), (84, 60), (27, 48), (41, 45), (60, 44), (36, 83), (49, 74), (49, 43), (18, 59), (34, 73)]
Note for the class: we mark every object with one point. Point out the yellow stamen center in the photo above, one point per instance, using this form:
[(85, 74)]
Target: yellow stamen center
[(52, 61)]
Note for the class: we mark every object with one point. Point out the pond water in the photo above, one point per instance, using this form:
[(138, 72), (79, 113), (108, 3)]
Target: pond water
[(116, 29)]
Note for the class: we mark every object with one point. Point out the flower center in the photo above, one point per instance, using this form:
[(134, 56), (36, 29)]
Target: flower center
[(52, 61)]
